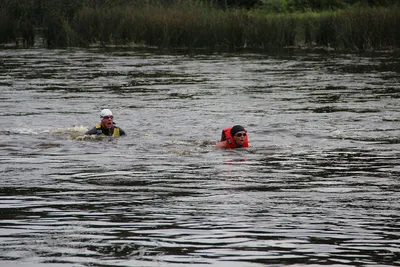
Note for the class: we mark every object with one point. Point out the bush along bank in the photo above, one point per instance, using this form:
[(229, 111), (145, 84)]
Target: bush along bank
[(201, 26)]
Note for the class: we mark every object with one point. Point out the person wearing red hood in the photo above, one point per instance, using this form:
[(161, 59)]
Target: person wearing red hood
[(106, 126), (233, 137)]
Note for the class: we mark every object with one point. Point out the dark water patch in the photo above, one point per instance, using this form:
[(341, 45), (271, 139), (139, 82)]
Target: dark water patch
[(22, 191), (143, 90), (18, 213), (115, 88), (391, 92), (331, 164), (391, 120), (129, 181), (390, 77), (62, 88), (124, 250), (377, 140), (135, 83), (327, 98), (267, 89), (165, 81), (23, 115), (363, 95), (262, 188), (5, 132), (54, 87), (389, 66), (360, 68), (151, 75), (39, 75), (48, 145), (179, 96), (332, 109), (333, 87), (6, 84), (11, 170)]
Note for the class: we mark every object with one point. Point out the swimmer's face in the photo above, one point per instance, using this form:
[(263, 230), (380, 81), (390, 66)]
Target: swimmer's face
[(107, 121), (240, 137)]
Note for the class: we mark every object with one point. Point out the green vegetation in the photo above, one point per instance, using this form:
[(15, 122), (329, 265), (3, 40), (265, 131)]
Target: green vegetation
[(203, 24)]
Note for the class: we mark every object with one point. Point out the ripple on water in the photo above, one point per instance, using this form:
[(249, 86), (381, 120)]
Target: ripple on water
[(318, 187)]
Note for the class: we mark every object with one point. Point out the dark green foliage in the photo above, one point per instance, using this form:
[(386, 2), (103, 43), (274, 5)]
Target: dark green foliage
[(320, 5), (317, 5), (192, 24), (237, 3), (366, 28), (8, 27), (355, 29)]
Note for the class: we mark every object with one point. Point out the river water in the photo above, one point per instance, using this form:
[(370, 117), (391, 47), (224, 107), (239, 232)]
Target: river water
[(319, 186)]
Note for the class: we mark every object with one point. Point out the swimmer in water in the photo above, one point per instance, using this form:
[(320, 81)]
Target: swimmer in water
[(106, 126), (233, 137)]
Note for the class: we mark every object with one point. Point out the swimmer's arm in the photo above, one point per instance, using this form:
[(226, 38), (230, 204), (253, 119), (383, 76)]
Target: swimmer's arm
[(221, 144), (91, 131), (121, 132)]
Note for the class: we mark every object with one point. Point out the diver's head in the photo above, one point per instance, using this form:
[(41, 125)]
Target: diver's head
[(107, 118), (239, 134)]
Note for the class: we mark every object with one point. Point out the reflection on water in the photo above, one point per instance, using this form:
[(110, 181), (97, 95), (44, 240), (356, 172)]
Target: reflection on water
[(320, 186)]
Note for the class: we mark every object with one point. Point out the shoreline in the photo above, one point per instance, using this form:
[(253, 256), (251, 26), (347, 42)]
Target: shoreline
[(40, 44)]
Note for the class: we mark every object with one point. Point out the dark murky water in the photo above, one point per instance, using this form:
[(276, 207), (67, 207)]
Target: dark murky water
[(320, 186)]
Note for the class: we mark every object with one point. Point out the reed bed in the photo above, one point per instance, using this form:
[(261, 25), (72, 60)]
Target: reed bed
[(355, 29), (195, 25), (367, 28), (7, 27)]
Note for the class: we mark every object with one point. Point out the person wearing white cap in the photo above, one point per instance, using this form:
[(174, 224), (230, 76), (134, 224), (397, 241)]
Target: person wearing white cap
[(106, 126)]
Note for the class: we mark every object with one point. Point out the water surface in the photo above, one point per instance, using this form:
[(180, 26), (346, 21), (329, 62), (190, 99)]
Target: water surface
[(319, 186)]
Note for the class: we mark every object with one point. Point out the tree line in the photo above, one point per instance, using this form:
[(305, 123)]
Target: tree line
[(263, 24)]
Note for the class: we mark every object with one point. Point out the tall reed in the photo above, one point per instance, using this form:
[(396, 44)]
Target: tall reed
[(8, 27), (367, 28), (199, 25), (195, 24), (184, 26), (274, 31), (361, 28)]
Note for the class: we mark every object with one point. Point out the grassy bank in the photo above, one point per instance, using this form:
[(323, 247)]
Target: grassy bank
[(195, 25)]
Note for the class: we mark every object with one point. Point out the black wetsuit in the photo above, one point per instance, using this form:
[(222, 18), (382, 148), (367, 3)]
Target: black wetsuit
[(105, 131)]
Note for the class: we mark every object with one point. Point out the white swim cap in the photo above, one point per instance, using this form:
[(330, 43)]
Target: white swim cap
[(105, 112)]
